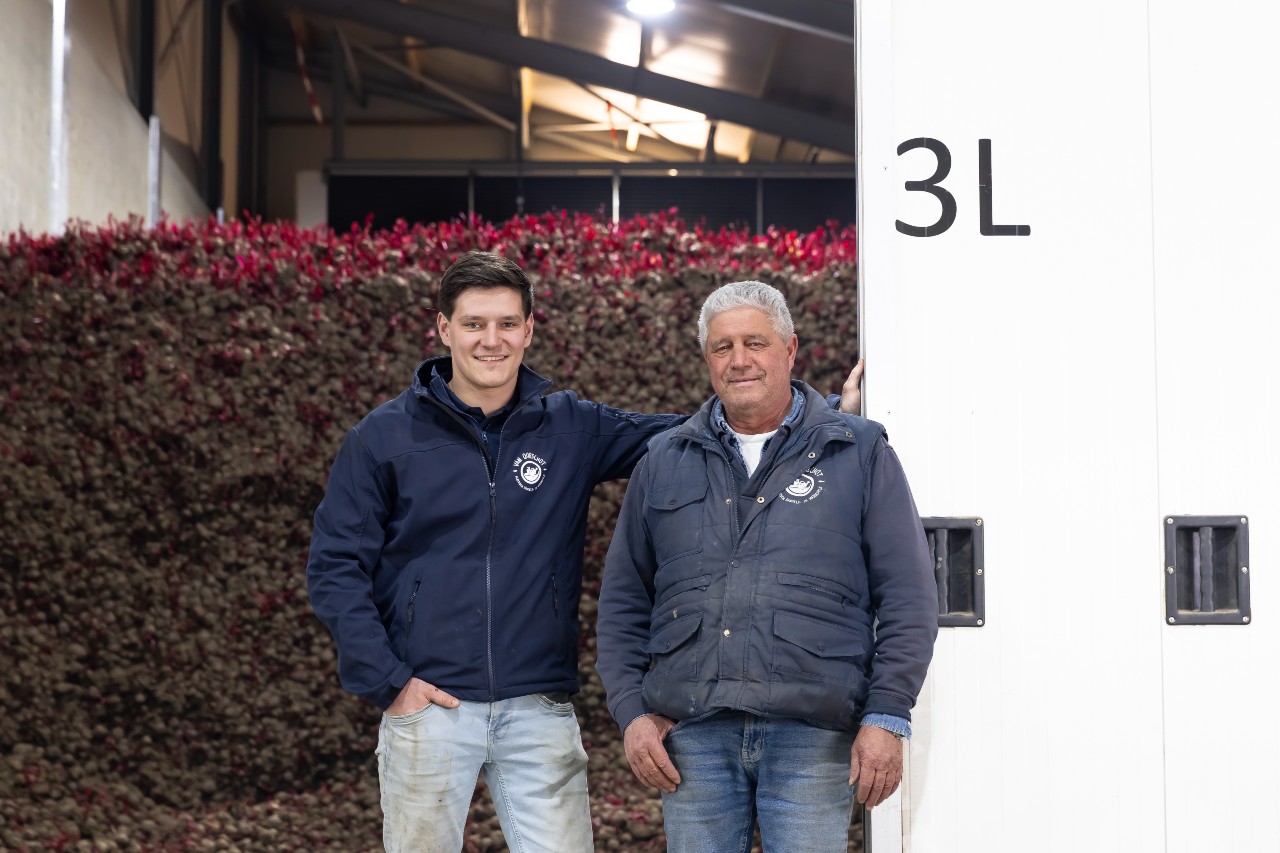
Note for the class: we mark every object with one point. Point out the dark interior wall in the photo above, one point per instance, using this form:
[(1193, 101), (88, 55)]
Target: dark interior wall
[(802, 204), (717, 201), (413, 198), (496, 197), (785, 202)]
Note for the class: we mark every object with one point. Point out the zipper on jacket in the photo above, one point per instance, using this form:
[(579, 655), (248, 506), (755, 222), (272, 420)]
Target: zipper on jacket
[(555, 596), (490, 463), (488, 590), (488, 557), (412, 596), (490, 474), (737, 496)]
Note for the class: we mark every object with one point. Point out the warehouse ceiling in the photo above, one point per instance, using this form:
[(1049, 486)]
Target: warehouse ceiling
[(746, 81)]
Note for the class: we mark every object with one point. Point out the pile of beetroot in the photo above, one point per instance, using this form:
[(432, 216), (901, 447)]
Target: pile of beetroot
[(170, 402)]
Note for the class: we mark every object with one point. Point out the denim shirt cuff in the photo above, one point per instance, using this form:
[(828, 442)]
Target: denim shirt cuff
[(888, 722)]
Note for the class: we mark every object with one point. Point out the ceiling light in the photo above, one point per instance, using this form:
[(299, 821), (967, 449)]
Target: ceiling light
[(633, 137), (650, 8)]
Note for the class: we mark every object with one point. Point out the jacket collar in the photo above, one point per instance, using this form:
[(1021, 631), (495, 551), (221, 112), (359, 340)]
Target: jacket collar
[(700, 428), (529, 384)]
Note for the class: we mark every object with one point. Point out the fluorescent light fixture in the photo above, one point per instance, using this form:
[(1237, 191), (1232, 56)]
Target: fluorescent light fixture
[(650, 8)]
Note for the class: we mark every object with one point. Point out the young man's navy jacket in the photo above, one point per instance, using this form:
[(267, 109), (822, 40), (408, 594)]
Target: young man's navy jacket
[(437, 555)]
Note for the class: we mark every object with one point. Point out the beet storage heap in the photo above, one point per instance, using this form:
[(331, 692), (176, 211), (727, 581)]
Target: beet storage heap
[(170, 402)]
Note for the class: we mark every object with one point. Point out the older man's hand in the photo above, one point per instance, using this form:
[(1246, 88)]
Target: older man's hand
[(649, 760), (851, 393), (876, 765)]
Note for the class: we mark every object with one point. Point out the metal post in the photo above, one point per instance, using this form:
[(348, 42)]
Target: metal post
[(338, 131), (154, 158), (57, 127), (759, 206), (143, 28), (247, 162), (211, 105)]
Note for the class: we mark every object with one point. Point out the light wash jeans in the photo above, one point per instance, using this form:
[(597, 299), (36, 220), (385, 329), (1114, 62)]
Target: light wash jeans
[(737, 768), (528, 749)]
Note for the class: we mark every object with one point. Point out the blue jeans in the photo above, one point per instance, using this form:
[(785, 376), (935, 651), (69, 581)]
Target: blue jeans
[(736, 768), (529, 751)]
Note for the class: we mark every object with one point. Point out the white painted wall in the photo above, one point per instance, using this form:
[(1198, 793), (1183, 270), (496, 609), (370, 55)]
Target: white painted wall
[(312, 199), (1071, 387), (24, 115), (107, 139), (1213, 70)]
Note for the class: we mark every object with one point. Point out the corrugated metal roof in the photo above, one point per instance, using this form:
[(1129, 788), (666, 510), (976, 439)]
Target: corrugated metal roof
[(759, 79)]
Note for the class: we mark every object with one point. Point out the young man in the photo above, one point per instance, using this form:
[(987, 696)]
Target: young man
[(446, 560), (768, 594)]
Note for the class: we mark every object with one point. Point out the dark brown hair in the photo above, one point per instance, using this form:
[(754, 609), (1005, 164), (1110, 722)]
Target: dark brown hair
[(486, 270)]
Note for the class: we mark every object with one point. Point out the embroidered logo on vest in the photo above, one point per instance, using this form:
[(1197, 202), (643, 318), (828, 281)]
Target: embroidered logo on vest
[(804, 488), (530, 470)]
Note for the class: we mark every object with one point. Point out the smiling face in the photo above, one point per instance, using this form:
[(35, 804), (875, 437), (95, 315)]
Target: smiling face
[(750, 366), (487, 336)]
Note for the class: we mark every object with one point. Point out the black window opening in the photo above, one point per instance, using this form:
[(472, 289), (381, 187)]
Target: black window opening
[(714, 202), (497, 199), (386, 198), (749, 203)]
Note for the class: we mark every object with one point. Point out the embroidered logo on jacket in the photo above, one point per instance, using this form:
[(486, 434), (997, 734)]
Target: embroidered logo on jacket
[(804, 488), (530, 470)]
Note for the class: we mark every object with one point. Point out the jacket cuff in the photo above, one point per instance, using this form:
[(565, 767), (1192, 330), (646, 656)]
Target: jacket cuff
[(888, 722), (395, 684), (889, 704), (628, 710)]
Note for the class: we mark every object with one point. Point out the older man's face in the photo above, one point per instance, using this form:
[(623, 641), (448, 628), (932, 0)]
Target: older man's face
[(750, 368)]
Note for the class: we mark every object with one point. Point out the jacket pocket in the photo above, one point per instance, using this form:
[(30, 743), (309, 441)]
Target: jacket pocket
[(404, 616), (561, 628), (804, 644), (673, 635), (818, 671), (673, 669), (675, 520), (818, 586), (675, 588)]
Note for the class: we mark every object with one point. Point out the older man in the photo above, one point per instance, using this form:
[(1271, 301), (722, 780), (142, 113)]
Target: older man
[(768, 609)]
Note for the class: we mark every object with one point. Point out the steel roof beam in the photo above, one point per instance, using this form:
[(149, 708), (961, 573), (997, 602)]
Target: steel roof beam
[(833, 20), (278, 60), (510, 48)]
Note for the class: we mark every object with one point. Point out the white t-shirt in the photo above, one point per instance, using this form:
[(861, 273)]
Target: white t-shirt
[(751, 445)]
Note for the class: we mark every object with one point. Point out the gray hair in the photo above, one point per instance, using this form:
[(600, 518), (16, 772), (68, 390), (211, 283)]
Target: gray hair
[(746, 294)]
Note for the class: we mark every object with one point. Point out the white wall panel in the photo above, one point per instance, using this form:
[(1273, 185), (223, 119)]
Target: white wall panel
[(24, 115), (107, 139), (1213, 68), (1016, 376)]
